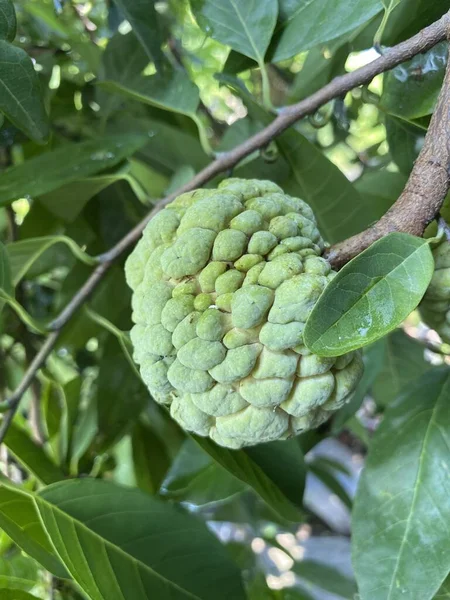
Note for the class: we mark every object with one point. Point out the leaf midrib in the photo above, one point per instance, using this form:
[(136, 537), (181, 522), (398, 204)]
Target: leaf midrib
[(363, 297), (416, 487), (53, 507)]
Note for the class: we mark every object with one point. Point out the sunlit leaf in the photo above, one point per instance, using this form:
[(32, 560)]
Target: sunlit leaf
[(371, 295), (245, 26), (330, 18)]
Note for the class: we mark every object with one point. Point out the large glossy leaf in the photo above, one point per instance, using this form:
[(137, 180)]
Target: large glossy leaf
[(411, 89), (119, 543), (402, 514), (245, 26), (245, 468), (405, 142), (404, 361), (371, 295), (20, 92), (23, 254), (144, 20), (20, 520), (7, 21), (31, 456), (338, 207), (306, 24), (51, 170)]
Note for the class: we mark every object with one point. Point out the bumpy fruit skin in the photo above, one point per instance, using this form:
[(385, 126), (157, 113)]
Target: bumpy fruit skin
[(224, 281), (435, 306)]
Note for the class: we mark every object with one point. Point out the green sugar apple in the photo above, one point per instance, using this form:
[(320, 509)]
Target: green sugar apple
[(224, 281), (435, 306)]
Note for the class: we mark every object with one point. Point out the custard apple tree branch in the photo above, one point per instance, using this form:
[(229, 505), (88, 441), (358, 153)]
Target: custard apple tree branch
[(424, 192), (416, 207)]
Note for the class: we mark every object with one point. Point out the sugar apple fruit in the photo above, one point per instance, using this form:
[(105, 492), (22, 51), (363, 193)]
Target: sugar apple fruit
[(224, 281), (435, 306)]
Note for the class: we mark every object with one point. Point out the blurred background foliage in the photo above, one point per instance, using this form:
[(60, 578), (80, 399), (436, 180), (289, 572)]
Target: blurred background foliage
[(138, 102)]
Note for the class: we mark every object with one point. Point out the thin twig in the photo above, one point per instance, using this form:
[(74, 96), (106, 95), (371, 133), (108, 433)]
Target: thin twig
[(423, 41)]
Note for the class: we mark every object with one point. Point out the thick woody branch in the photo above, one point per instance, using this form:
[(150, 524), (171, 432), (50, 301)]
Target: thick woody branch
[(421, 42), (424, 192)]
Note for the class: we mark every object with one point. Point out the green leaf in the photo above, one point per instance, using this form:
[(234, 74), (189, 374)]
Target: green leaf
[(411, 89), (20, 93), (338, 207), (150, 458), (118, 542), (404, 361), (307, 24), (32, 456), (325, 577), (291, 478), (123, 60), (319, 68), (444, 590), (117, 380), (329, 478), (23, 254), (195, 478), (242, 466), (19, 519), (401, 514), (247, 27), (144, 20), (380, 189), (173, 91), (374, 357), (18, 572), (371, 295), (8, 22), (389, 6), (51, 170), (67, 201), (34, 324), (5, 274), (405, 142), (15, 594)]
